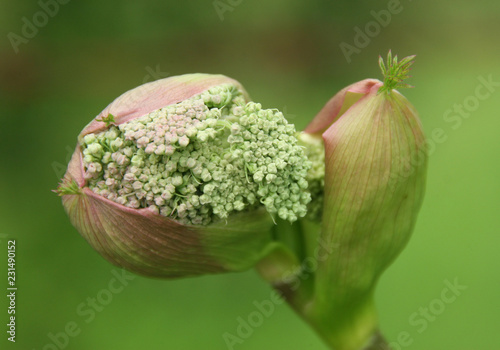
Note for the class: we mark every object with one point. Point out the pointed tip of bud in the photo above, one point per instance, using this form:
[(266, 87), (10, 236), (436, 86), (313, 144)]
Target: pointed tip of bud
[(340, 103)]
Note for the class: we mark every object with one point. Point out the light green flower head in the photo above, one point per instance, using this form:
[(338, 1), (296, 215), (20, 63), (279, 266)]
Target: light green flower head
[(199, 160)]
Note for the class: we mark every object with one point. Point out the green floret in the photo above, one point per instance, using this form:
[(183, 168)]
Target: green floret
[(315, 152), (202, 159)]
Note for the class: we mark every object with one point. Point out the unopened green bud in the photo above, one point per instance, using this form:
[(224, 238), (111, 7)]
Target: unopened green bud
[(375, 170)]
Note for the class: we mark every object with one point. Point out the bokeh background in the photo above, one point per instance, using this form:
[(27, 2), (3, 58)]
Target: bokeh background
[(288, 55)]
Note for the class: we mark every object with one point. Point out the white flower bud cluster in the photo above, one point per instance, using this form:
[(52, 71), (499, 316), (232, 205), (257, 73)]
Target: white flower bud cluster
[(315, 152), (201, 159)]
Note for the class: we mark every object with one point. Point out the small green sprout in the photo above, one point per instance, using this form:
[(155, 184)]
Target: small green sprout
[(395, 72), (67, 187), (110, 119)]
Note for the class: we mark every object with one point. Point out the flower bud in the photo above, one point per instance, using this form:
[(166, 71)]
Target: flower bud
[(183, 176), (375, 168)]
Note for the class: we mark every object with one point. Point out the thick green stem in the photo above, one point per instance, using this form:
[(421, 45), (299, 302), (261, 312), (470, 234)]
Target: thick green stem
[(355, 329), (282, 270), (346, 323)]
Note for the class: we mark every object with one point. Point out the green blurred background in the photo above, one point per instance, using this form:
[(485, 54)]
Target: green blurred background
[(287, 54)]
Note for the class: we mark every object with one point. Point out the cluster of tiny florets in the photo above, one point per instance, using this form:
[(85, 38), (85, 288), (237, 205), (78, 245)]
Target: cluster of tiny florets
[(201, 159), (315, 152)]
